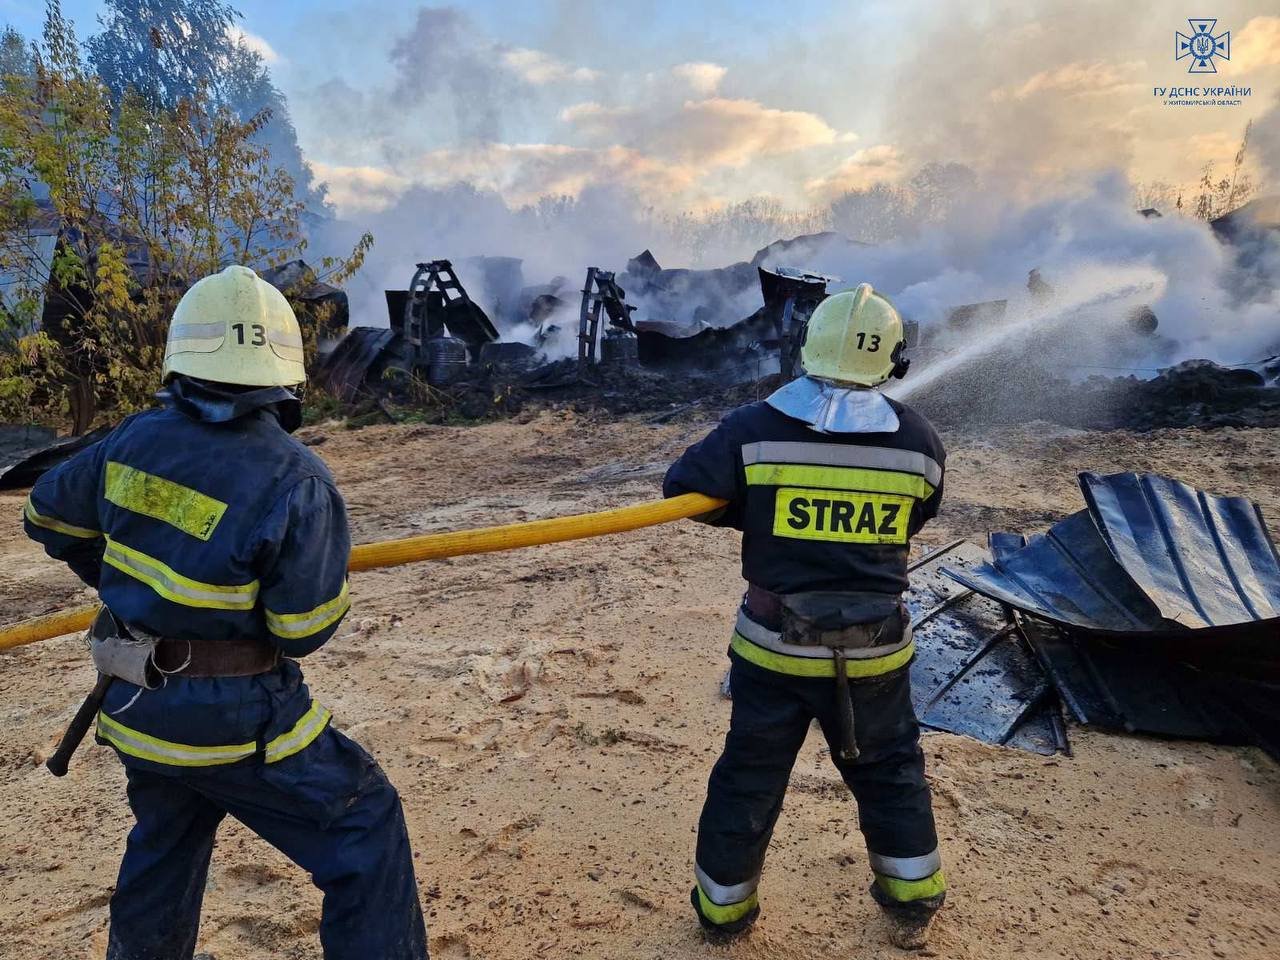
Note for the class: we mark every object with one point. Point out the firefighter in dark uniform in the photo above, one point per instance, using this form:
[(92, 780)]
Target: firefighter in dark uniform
[(828, 480), (219, 546)]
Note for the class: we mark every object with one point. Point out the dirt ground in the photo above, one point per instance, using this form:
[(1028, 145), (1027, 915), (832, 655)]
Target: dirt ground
[(550, 717)]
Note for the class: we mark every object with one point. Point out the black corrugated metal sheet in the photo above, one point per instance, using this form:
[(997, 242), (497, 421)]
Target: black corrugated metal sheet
[(1203, 560), (1104, 683), (355, 358), (1152, 558), (25, 468), (1154, 610)]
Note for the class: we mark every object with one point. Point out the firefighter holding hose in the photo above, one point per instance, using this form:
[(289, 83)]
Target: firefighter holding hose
[(828, 480), (219, 546)]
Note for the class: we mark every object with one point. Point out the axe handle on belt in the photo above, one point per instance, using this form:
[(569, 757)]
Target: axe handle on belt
[(844, 709), (79, 726)]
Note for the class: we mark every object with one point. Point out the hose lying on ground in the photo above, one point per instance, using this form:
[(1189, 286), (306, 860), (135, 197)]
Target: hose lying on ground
[(433, 546)]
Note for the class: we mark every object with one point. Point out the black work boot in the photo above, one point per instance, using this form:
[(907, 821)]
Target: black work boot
[(908, 922), (721, 933)]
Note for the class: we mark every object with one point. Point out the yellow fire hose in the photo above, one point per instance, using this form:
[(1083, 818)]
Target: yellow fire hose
[(433, 546)]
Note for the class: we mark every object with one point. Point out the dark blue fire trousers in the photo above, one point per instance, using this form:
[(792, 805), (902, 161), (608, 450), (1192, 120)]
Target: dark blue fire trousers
[(328, 808), (771, 717)]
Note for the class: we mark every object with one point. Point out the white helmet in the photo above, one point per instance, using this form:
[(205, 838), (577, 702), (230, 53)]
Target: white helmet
[(234, 327), (854, 337)]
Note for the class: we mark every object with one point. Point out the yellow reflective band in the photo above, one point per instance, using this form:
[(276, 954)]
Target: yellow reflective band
[(146, 747), (292, 626), (803, 514), (819, 666), (838, 478), (57, 526), (904, 891), (304, 731), (176, 588), (189, 510), (728, 913)]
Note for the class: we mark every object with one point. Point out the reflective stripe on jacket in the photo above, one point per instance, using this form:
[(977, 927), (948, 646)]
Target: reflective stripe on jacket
[(205, 521), (202, 530), (818, 511)]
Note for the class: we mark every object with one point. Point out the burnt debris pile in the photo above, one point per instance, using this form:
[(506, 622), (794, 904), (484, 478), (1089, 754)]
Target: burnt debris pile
[(649, 337), (1011, 390)]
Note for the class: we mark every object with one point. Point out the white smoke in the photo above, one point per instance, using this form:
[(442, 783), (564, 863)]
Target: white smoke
[(1037, 176)]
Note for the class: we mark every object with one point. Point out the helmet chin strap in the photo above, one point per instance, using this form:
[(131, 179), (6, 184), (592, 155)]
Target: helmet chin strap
[(900, 363)]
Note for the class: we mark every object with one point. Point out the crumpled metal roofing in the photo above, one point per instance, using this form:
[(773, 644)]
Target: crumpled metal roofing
[(1106, 682), (1150, 555), (973, 673), (345, 370)]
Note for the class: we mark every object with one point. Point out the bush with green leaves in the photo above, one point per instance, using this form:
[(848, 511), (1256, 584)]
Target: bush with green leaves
[(144, 197)]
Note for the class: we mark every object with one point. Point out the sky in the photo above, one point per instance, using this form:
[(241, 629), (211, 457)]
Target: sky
[(694, 106)]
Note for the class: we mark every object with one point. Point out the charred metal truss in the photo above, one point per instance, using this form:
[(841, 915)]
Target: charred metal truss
[(438, 300), (790, 296), (601, 295)]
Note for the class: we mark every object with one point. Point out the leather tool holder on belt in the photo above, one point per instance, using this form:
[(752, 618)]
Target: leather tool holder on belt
[(840, 622), (117, 653)]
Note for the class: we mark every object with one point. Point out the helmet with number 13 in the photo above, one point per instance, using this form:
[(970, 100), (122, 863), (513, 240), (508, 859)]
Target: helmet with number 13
[(854, 338), (234, 327)]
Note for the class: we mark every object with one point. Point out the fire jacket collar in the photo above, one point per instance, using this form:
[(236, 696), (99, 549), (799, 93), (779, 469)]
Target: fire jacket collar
[(829, 408), (210, 402)]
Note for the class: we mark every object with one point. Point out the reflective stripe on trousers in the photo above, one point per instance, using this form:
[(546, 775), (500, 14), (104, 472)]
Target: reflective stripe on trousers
[(146, 747), (329, 809), (905, 879), (723, 904), (772, 715)]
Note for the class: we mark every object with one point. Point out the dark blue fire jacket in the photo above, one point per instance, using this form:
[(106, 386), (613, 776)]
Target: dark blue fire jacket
[(206, 520), (818, 511)]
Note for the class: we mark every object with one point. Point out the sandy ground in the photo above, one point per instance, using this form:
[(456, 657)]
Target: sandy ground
[(550, 717)]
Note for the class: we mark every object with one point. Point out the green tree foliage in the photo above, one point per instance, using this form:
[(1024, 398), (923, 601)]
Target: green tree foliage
[(144, 199), (170, 50), (14, 55)]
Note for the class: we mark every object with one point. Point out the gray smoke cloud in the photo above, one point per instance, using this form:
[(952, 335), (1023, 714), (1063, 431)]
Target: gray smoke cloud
[(443, 63), (1009, 131)]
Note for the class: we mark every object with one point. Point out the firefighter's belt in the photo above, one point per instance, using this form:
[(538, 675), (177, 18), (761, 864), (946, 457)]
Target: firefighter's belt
[(216, 658), (840, 621)]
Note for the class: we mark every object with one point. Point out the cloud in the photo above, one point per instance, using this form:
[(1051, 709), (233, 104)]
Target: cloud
[(457, 96), (591, 113), (730, 132), (356, 190), (1254, 46), (1073, 79), (521, 173), (883, 163), (704, 78), (524, 172), (715, 132), (538, 68), (482, 86)]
